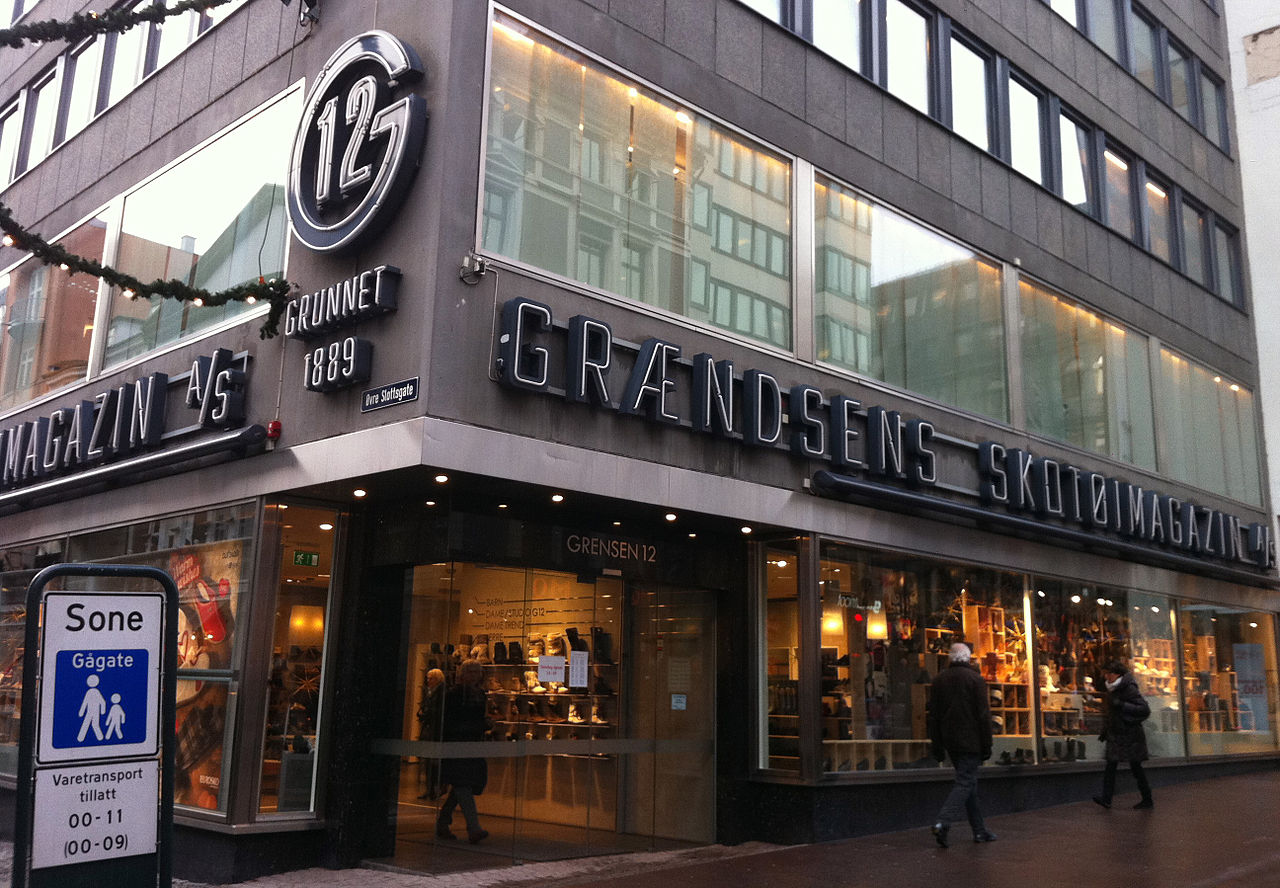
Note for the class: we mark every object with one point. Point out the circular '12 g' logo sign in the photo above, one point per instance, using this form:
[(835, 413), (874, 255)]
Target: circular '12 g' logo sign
[(358, 146)]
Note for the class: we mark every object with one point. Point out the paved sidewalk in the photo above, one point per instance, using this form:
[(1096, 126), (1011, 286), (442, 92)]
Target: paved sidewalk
[(1222, 833)]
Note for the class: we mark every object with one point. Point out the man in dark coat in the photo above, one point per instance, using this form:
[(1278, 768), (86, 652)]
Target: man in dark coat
[(465, 719), (959, 718), (1122, 731)]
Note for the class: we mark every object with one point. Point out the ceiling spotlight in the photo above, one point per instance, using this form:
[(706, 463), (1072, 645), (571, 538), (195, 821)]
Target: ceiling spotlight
[(359, 492), (746, 528), (431, 502), (557, 497), (693, 536), (1075, 599), (617, 524), (440, 479), (326, 526), (283, 506), (671, 516), (502, 505)]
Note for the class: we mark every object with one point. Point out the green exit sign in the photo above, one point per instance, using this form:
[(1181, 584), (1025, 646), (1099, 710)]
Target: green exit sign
[(306, 559)]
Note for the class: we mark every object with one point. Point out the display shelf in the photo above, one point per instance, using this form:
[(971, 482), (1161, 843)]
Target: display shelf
[(876, 755)]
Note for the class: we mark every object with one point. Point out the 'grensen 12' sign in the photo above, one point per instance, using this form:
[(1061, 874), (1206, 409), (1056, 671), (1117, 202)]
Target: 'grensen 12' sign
[(358, 147)]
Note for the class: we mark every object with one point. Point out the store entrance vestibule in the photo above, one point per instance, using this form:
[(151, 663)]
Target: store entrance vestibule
[(600, 702)]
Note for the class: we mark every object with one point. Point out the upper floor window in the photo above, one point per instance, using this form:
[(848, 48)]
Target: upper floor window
[(1104, 27), (906, 39), (1194, 244), (213, 231), (1159, 219), (1118, 178), (1077, 163), (1026, 130), (970, 94), (602, 182), (1180, 80), (42, 114), (1146, 51), (837, 29), (906, 305), (1227, 263), (83, 66), (1213, 106)]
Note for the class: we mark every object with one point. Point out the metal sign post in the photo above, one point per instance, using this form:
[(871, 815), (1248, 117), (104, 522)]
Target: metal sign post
[(96, 752)]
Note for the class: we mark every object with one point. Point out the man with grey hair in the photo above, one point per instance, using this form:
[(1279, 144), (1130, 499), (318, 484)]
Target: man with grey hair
[(959, 716)]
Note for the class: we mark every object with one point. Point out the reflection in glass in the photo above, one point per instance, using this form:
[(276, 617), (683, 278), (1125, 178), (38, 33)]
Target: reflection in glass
[(781, 710), (48, 320), (208, 230), (1159, 221), (1119, 183), (126, 59), (900, 303), (1193, 244), (1025, 122), (201, 733), (1087, 381), (1077, 174), (1210, 437), (1154, 664), (42, 111), (969, 94), (837, 30), (907, 49), (1230, 673), (607, 184), (1146, 50)]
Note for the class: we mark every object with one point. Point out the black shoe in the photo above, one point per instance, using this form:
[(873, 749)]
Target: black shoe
[(940, 833), (1145, 803), (1106, 803), (443, 832), (985, 836)]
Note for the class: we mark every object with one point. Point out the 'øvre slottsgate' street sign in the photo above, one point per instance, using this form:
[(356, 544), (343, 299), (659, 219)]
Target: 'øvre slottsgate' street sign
[(95, 793)]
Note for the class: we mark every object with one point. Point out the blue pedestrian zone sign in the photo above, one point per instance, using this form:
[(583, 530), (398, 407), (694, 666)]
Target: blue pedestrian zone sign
[(100, 698)]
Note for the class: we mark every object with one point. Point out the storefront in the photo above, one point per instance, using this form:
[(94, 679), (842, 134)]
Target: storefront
[(699, 435)]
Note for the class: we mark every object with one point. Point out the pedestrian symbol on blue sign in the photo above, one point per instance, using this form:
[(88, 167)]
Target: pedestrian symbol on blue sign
[(97, 696)]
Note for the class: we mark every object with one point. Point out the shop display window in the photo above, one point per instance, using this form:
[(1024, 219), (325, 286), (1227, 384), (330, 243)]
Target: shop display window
[(18, 567), (1229, 665), (781, 632), (887, 624), (296, 683), (209, 555)]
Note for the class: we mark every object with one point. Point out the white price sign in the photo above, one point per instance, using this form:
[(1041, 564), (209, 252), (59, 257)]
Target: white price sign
[(97, 812)]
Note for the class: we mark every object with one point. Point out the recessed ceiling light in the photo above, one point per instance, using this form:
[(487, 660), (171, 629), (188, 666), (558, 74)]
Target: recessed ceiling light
[(440, 479), (283, 506), (557, 497), (693, 536), (617, 524), (359, 492), (671, 516), (502, 505), (746, 528), (431, 502), (326, 526)]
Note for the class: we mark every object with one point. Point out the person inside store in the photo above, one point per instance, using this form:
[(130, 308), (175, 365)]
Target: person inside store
[(430, 712), (464, 719), (1125, 711), (959, 721)]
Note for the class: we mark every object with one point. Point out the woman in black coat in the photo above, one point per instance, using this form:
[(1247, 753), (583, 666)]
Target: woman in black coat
[(465, 719), (1122, 731)]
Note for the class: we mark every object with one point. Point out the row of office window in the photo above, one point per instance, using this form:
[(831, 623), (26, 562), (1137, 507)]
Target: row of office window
[(891, 299), (87, 79), (926, 61), (1143, 46)]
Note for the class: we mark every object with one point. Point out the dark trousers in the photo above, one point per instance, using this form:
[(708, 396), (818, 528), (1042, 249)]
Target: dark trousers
[(1109, 780), (963, 798)]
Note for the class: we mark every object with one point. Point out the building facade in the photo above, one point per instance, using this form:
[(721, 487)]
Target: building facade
[(704, 369)]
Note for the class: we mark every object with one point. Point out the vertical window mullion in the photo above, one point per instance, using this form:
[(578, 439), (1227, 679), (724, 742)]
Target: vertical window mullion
[(1052, 145), (1142, 225), (999, 115), (942, 104)]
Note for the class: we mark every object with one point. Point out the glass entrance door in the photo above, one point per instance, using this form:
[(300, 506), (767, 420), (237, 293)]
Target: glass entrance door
[(598, 729)]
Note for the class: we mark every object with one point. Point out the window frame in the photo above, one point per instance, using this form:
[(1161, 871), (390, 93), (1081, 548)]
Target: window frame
[(1151, 179), (932, 41), (953, 35), (1185, 204), (1159, 59), (1092, 156), (1113, 150), (1006, 127)]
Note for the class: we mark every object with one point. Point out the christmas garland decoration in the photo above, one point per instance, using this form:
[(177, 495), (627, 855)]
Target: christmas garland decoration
[(86, 24), (78, 27), (274, 292)]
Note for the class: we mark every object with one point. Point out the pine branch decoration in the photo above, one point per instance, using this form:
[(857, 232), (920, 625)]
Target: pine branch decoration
[(78, 27), (274, 292), (86, 24)]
